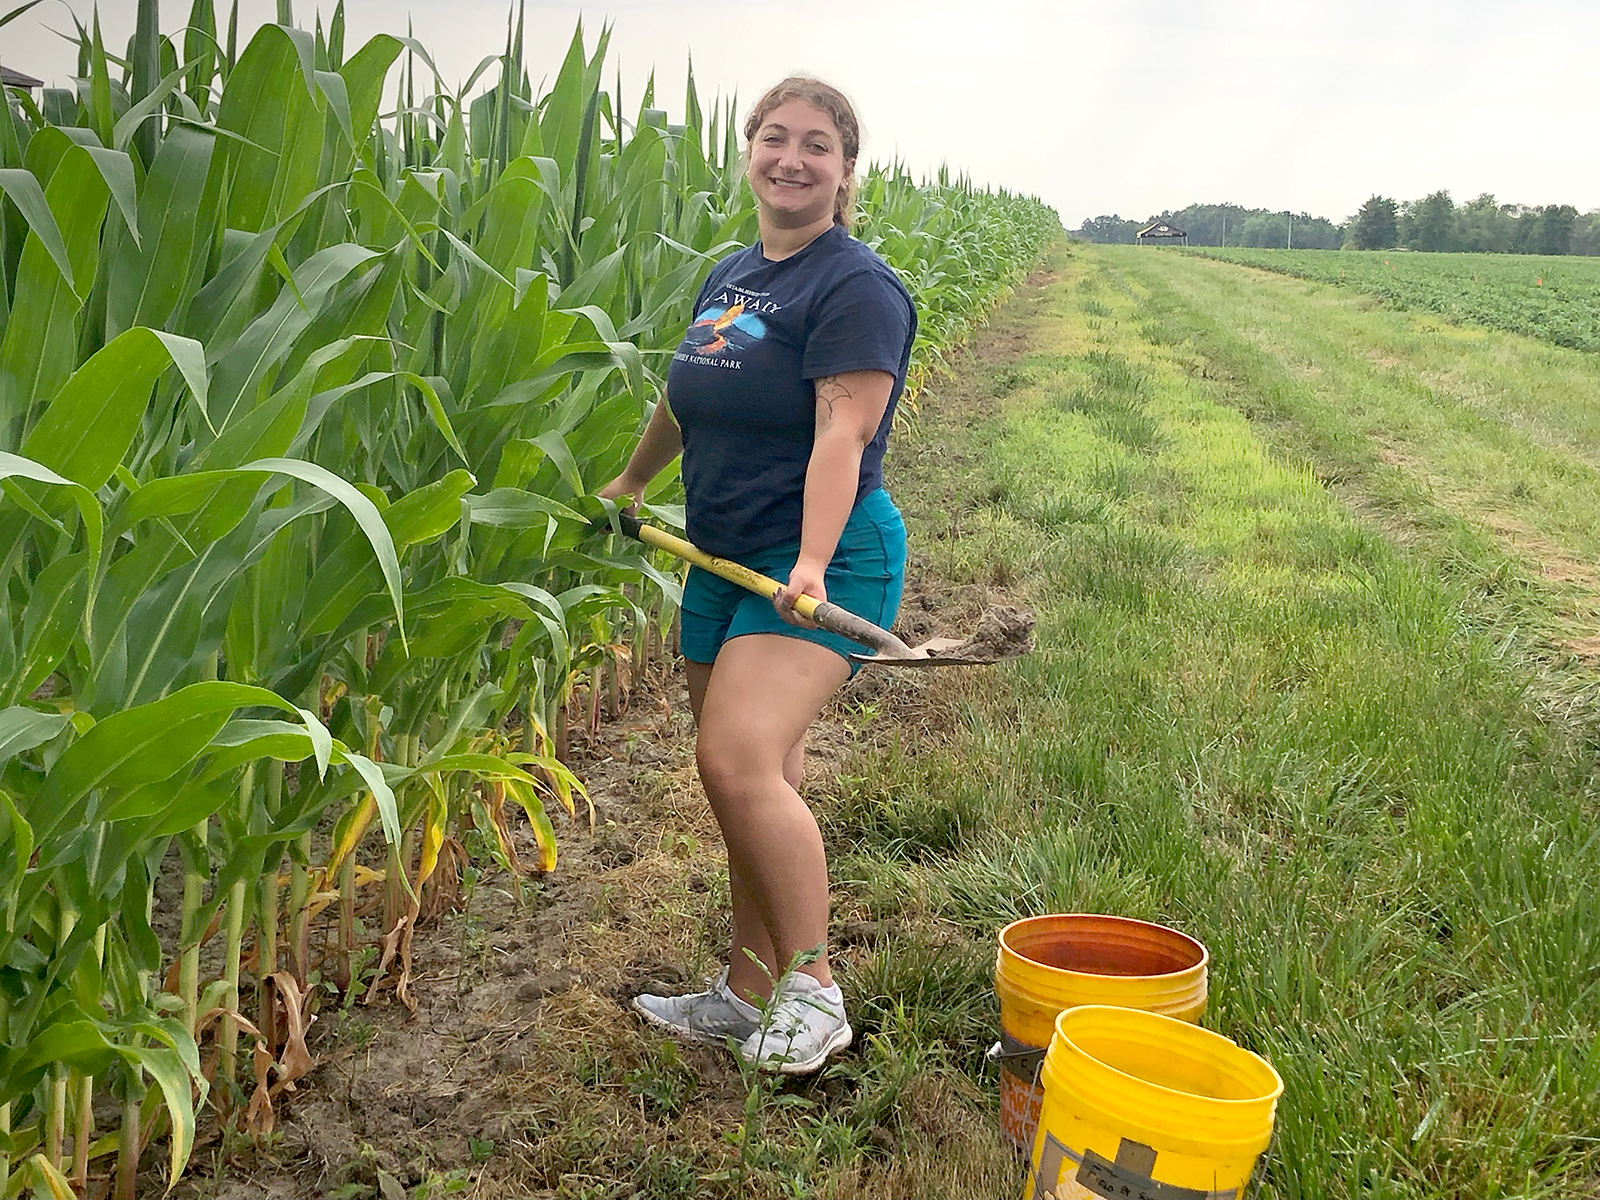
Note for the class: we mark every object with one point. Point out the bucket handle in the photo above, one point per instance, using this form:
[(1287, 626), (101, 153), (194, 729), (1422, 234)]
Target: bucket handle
[(1020, 1059)]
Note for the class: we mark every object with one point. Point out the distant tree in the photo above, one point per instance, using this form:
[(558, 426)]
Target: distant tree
[(1112, 229), (1376, 226), (1209, 224), (1316, 233), (1586, 234), (1265, 229), (1524, 226), (1552, 231), (1483, 226), (1435, 222), (1429, 223)]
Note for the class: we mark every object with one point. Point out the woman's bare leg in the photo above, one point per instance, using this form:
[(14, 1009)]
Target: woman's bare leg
[(750, 753), (749, 934)]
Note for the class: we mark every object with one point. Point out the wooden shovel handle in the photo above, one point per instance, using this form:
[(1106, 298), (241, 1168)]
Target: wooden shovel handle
[(826, 614)]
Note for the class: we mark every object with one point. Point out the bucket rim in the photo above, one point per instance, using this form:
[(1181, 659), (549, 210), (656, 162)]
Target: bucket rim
[(1202, 965), (1138, 1014)]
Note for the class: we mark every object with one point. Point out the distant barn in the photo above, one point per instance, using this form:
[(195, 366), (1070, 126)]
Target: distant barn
[(1159, 232), (10, 78)]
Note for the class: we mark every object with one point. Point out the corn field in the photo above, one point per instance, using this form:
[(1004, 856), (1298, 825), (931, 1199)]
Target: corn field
[(308, 366)]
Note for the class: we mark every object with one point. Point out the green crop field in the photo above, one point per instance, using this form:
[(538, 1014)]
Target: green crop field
[(1555, 299)]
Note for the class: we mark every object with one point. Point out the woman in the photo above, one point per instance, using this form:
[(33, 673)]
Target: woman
[(780, 399)]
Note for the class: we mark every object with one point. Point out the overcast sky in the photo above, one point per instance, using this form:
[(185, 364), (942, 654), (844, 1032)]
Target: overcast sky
[(1097, 108)]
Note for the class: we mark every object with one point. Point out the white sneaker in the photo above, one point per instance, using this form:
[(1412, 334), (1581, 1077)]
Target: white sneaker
[(805, 1026), (711, 1016)]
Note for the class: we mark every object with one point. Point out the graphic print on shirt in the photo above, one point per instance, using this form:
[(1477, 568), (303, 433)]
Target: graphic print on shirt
[(727, 325)]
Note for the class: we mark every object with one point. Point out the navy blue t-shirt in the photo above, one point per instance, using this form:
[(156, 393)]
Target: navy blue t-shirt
[(742, 389)]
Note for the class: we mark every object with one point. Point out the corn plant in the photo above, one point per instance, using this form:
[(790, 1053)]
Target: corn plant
[(303, 397)]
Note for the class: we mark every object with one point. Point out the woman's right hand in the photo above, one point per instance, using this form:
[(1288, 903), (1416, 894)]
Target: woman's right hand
[(621, 486)]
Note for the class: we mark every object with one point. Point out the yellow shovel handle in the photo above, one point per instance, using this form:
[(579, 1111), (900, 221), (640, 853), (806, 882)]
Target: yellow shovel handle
[(828, 615), (733, 572)]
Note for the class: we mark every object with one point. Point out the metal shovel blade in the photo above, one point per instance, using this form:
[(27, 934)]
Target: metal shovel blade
[(938, 652)]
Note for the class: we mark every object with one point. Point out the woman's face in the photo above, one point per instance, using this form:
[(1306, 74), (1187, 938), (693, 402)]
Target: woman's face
[(797, 164)]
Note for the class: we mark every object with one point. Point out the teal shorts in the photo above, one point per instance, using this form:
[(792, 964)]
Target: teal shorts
[(866, 576)]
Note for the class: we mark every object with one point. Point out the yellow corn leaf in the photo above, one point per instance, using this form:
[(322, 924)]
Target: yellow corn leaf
[(353, 833), (432, 839), (543, 832), (560, 781), (47, 1180)]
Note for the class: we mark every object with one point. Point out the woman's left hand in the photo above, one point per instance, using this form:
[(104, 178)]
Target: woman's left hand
[(805, 580)]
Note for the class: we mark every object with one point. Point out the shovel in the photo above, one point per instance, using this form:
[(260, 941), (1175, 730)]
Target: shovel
[(1011, 633)]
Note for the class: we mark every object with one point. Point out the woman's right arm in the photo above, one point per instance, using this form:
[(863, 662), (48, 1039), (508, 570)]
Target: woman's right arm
[(660, 443)]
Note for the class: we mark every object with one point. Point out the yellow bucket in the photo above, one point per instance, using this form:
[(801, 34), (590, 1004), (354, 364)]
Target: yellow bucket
[(1047, 964), (1141, 1105)]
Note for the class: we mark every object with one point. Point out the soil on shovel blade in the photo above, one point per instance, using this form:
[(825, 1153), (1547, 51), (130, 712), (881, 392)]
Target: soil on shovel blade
[(1002, 632)]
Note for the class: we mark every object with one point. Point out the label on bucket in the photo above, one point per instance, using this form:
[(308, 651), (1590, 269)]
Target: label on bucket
[(1020, 1102), (1097, 1178)]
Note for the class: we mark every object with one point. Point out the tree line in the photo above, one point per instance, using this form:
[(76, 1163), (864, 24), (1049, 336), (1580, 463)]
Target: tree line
[(1435, 222)]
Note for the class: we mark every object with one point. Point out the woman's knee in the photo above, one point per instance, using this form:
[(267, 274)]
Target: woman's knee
[(732, 767)]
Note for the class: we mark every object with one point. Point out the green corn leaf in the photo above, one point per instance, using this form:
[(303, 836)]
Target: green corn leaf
[(90, 424), (18, 11), (21, 729), (148, 105), (19, 834), (52, 619), (512, 508), (22, 189), (39, 349), (14, 466), (140, 745), (270, 338), (148, 277), (554, 445), (365, 513), (71, 1039), (331, 85), (116, 169), (272, 180)]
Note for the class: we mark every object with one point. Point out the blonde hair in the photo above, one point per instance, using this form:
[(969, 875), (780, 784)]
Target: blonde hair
[(831, 101)]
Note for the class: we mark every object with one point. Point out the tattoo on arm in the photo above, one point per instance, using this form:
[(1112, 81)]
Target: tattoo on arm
[(830, 390)]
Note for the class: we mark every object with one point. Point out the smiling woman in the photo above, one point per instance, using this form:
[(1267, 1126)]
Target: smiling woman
[(804, 140), (780, 399)]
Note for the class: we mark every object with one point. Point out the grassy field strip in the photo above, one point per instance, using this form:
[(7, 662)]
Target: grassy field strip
[(1253, 716), (1421, 417)]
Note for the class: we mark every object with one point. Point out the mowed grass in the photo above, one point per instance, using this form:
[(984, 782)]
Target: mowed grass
[(1478, 446), (1318, 728)]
